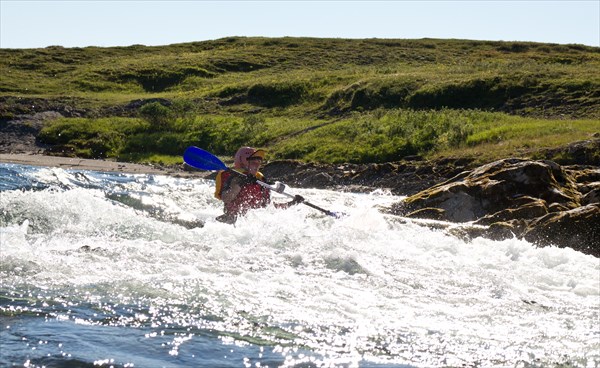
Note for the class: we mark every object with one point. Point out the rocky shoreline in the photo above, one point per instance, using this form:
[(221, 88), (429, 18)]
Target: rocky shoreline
[(541, 201)]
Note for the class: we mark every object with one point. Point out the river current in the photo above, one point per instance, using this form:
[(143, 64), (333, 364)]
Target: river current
[(107, 269)]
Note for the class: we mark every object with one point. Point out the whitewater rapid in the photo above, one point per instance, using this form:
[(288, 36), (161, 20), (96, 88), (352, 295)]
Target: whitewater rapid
[(89, 250)]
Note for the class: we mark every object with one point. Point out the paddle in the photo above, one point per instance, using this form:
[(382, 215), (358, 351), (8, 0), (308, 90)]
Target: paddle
[(201, 159)]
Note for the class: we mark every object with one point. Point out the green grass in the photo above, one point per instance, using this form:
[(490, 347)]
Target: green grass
[(514, 136), (389, 135), (376, 136), (328, 100), (92, 138), (347, 74)]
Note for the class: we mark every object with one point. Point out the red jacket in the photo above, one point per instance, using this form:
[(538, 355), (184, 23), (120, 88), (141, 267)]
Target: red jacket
[(250, 197)]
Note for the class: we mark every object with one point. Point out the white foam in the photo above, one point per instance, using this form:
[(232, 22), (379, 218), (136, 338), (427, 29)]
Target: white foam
[(348, 283)]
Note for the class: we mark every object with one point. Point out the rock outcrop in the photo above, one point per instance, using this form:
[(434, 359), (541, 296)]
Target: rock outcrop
[(543, 201), (539, 201)]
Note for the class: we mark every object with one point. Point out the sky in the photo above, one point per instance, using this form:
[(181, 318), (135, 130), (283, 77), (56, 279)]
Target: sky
[(80, 23)]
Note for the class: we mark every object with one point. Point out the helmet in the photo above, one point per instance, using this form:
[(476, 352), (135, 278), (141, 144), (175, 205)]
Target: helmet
[(240, 161)]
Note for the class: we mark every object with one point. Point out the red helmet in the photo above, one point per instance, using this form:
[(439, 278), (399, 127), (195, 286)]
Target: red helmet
[(240, 161)]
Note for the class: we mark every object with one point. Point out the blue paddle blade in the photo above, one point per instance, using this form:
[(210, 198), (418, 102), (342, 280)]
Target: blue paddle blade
[(201, 159)]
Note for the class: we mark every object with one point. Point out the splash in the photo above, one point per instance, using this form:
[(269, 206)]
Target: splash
[(98, 250)]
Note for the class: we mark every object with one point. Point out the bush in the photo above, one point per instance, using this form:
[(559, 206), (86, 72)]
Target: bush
[(391, 93), (277, 94), (478, 93), (156, 79), (158, 115)]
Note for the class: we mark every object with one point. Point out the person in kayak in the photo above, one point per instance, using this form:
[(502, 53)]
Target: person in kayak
[(242, 193)]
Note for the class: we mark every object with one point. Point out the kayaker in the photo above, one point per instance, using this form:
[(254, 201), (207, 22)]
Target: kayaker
[(242, 193)]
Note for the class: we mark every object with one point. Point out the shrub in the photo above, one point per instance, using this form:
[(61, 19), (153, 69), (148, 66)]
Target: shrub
[(278, 94), (158, 115), (478, 93), (158, 79)]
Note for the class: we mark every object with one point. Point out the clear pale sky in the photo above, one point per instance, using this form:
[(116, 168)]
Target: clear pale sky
[(31, 24)]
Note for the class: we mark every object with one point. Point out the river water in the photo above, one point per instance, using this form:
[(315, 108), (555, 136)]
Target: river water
[(97, 270)]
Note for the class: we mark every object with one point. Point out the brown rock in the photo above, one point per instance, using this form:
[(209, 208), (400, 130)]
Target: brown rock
[(583, 174), (427, 213), (505, 230), (499, 186), (557, 207), (578, 228), (536, 200), (530, 210), (582, 152), (592, 196)]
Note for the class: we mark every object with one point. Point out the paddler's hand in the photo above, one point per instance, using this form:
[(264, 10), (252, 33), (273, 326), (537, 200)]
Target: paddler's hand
[(279, 187), (297, 199)]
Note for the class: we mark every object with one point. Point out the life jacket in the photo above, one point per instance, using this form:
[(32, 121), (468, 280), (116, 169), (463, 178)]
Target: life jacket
[(251, 195)]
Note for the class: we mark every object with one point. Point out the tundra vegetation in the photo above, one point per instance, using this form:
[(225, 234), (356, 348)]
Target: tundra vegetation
[(315, 100)]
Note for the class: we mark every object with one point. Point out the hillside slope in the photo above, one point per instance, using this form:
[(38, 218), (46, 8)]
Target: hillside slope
[(289, 94)]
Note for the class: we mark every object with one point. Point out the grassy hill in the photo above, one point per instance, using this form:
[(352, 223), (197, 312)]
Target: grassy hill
[(327, 100)]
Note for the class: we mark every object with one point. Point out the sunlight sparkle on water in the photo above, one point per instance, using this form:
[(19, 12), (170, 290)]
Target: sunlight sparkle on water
[(309, 289)]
